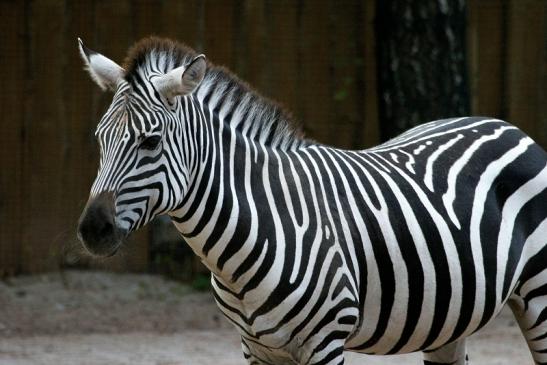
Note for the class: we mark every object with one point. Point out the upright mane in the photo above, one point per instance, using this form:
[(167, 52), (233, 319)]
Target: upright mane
[(259, 118)]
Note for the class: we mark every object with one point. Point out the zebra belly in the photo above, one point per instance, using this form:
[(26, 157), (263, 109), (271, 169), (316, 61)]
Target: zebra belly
[(425, 303), (368, 340)]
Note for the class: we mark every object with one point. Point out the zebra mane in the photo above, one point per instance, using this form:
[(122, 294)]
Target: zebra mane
[(257, 117)]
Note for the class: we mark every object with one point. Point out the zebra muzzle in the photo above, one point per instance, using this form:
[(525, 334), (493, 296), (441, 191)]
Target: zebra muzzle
[(97, 228)]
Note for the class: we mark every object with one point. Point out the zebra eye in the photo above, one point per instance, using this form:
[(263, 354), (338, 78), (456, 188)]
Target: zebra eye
[(150, 142)]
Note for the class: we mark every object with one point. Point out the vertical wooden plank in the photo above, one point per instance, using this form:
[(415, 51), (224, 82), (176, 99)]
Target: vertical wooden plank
[(370, 131), (486, 56), (218, 31), (282, 52), (526, 60), (146, 18), (182, 20), (251, 59), (313, 71), (111, 38), (12, 49), (43, 147), (345, 23)]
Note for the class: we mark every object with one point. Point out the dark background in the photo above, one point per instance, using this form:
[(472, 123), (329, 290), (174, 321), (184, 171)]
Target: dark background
[(353, 73)]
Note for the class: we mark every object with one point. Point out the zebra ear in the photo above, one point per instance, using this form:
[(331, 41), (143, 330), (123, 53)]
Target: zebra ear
[(105, 72), (182, 80)]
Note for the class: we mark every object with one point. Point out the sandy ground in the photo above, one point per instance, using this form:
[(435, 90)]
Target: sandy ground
[(94, 318)]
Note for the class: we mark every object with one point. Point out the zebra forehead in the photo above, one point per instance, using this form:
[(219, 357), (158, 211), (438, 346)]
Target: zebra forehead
[(154, 54), (114, 120), (122, 117)]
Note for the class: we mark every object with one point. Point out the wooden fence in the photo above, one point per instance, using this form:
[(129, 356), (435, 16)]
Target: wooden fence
[(316, 57)]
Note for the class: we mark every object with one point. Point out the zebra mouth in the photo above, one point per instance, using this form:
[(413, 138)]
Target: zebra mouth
[(114, 250), (103, 246)]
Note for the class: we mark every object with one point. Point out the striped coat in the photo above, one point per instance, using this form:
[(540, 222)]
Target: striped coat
[(409, 246)]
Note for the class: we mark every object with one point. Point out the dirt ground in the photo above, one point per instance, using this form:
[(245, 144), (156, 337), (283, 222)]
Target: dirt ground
[(96, 318)]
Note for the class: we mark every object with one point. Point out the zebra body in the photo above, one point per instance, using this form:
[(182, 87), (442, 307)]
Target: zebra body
[(372, 224), (409, 246)]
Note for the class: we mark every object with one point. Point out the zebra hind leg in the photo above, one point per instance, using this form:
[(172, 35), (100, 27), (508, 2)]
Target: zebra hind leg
[(450, 354), (530, 311)]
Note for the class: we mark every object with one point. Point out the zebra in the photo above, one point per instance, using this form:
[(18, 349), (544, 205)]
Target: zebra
[(412, 245)]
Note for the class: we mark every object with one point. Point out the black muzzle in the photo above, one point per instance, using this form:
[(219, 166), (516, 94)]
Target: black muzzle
[(97, 228)]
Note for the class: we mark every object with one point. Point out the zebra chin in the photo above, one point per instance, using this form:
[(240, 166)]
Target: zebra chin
[(98, 231)]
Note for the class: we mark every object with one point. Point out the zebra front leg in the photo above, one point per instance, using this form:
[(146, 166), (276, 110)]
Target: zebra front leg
[(331, 354), (251, 358), (453, 353)]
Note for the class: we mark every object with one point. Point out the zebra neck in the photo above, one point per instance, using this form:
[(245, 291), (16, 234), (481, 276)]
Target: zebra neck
[(229, 198)]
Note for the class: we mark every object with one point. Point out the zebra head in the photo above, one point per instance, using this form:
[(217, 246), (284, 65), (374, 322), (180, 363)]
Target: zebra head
[(143, 170)]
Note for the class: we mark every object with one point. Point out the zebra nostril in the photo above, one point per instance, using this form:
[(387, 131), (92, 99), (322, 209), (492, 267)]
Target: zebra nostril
[(107, 229)]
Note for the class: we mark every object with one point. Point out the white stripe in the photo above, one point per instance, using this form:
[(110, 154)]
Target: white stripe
[(453, 174), (428, 177)]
